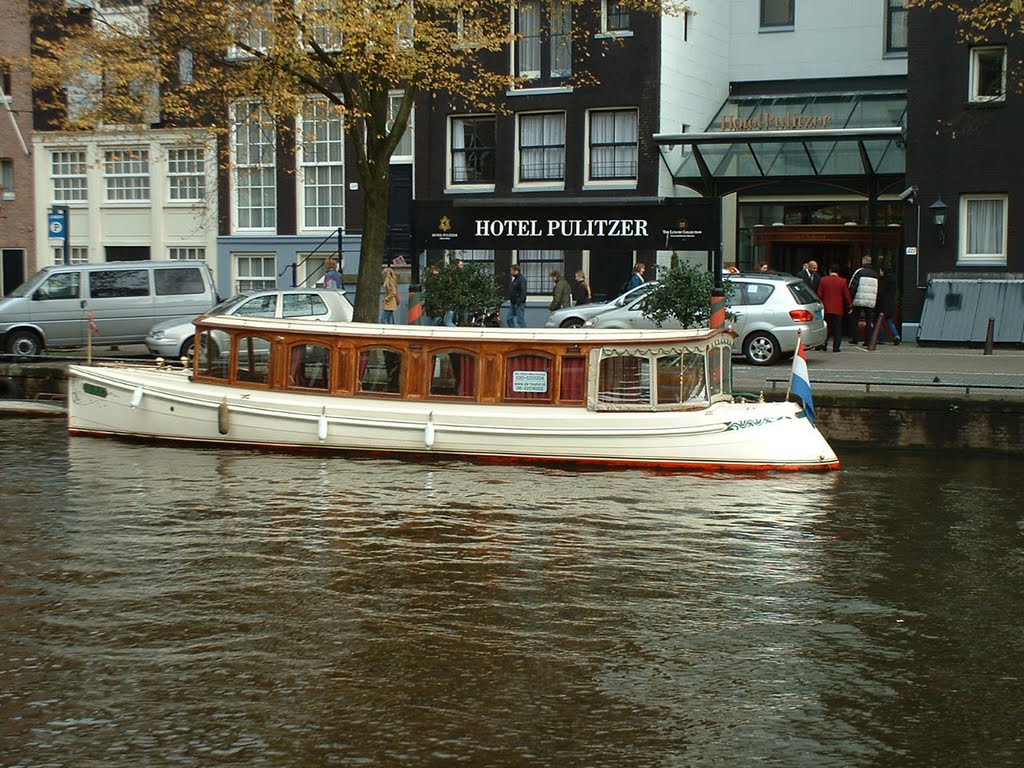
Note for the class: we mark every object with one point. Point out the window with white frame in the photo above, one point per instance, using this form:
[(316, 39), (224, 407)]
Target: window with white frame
[(988, 73), (542, 147), (126, 174), (777, 13), (473, 141), (613, 145), (614, 17), (79, 255), (543, 48), (403, 152), (536, 266), (983, 229), (896, 15), (485, 259), (67, 170), (7, 178), (323, 166), (254, 168), (186, 252), (321, 22), (252, 29), (255, 272), (186, 173)]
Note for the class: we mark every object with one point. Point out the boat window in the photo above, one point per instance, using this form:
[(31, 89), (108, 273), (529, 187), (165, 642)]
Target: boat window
[(214, 346), (309, 366), (573, 386), (681, 379), (624, 379), (252, 361), (380, 370), (720, 371), (528, 377), (453, 374)]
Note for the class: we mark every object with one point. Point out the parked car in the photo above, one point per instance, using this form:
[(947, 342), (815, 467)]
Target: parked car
[(176, 337), (576, 316), (767, 311), (60, 305)]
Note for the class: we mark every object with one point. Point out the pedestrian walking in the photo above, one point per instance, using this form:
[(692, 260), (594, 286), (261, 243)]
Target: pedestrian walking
[(835, 298), (517, 299)]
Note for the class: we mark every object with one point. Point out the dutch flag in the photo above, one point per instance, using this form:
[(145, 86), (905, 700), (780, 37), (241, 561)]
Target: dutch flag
[(800, 383)]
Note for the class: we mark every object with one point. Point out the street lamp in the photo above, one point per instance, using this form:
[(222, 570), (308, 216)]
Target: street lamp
[(938, 209)]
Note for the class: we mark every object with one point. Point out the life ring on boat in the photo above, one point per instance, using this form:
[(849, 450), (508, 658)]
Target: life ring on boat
[(10, 388)]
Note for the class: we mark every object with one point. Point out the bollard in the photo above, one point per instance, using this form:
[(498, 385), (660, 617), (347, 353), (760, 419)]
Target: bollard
[(873, 342), (990, 336)]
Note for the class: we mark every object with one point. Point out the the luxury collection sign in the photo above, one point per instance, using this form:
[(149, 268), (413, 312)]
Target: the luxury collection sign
[(790, 121), (686, 225)]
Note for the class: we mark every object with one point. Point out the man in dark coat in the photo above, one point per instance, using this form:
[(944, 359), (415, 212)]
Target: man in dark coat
[(517, 299), (809, 274)]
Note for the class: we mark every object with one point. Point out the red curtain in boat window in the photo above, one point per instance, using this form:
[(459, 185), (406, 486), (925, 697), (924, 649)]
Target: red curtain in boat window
[(528, 387), (453, 374), (574, 379), (467, 374)]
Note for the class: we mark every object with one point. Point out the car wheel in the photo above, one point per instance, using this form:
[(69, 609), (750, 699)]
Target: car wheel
[(761, 348), (188, 348), (24, 343), (572, 322)]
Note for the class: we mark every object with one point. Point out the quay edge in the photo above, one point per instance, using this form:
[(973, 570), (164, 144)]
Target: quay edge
[(950, 421)]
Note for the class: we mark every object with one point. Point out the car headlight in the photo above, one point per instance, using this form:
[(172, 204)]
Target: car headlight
[(156, 335), (590, 322)]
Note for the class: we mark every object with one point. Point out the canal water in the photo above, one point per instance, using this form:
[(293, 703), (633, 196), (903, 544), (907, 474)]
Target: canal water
[(167, 606)]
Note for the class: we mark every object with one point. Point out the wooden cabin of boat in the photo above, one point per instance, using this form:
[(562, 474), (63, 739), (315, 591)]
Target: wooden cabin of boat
[(597, 369)]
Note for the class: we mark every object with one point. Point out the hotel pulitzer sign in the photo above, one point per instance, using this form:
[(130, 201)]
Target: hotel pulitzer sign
[(683, 225)]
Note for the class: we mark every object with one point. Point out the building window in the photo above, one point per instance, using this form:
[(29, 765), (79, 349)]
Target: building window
[(126, 172), (473, 150), (254, 168), (67, 169), (5, 82), (186, 173), (323, 166), (7, 178), (543, 40), (983, 230), (186, 252), (542, 147), (614, 16), (255, 272), (536, 267), (778, 13), (403, 152), (896, 26), (613, 144), (484, 259), (988, 73), (253, 28), (79, 255)]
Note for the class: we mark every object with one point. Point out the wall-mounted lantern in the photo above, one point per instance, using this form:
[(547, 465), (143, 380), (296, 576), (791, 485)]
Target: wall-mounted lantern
[(938, 209)]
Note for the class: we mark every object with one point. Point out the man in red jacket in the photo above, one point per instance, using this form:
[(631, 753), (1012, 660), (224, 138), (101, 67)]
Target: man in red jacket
[(834, 294)]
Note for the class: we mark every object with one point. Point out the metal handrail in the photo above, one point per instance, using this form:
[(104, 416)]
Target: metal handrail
[(318, 272)]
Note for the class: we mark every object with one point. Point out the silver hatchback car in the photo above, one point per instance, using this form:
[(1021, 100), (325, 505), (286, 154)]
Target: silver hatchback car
[(576, 315), (176, 337), (767, 311)]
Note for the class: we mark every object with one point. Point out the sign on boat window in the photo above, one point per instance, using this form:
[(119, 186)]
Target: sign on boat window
[(528, 377), (453, 374)]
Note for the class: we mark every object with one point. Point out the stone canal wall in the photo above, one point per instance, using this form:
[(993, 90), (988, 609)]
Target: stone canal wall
[(949, 421)]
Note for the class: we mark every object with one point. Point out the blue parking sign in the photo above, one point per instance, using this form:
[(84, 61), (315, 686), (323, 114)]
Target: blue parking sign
[(56, 225)]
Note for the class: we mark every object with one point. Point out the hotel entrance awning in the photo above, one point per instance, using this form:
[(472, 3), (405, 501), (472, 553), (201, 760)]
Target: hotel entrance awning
[(852, 142)]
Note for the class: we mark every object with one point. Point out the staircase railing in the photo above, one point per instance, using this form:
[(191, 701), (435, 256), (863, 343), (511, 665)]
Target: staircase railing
[(313, 277)]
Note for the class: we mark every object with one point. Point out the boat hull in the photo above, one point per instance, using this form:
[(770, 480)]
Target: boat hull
[(156, 404)]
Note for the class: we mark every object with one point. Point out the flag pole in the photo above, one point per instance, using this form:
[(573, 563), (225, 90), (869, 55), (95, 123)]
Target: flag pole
[(789, 386), (88, 343)]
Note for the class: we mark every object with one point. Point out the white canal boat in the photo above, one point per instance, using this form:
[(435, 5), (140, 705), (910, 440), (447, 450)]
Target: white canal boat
[(654, 399)]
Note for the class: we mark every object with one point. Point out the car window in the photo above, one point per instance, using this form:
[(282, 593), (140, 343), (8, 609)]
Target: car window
[(258, 306), (63, 285), (747, 294), (302, 305), (802, 293)]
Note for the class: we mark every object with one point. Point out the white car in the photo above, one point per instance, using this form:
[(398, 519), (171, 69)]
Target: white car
[(766, 310), (576, 316), (176, 337)]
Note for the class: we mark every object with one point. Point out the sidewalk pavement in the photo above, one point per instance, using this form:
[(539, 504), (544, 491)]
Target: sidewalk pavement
[(888, 361)]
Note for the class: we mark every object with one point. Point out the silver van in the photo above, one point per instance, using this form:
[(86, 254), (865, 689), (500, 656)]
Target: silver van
[(125, 299)]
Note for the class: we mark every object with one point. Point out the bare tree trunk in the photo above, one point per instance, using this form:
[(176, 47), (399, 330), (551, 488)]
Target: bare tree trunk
[(371, 251)]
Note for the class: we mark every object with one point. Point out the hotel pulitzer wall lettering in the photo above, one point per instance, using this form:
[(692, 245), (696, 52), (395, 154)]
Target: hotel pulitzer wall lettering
[(791, 121), (687, 225)]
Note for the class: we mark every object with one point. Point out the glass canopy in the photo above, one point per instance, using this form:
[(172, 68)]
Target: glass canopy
[(778, 137)]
